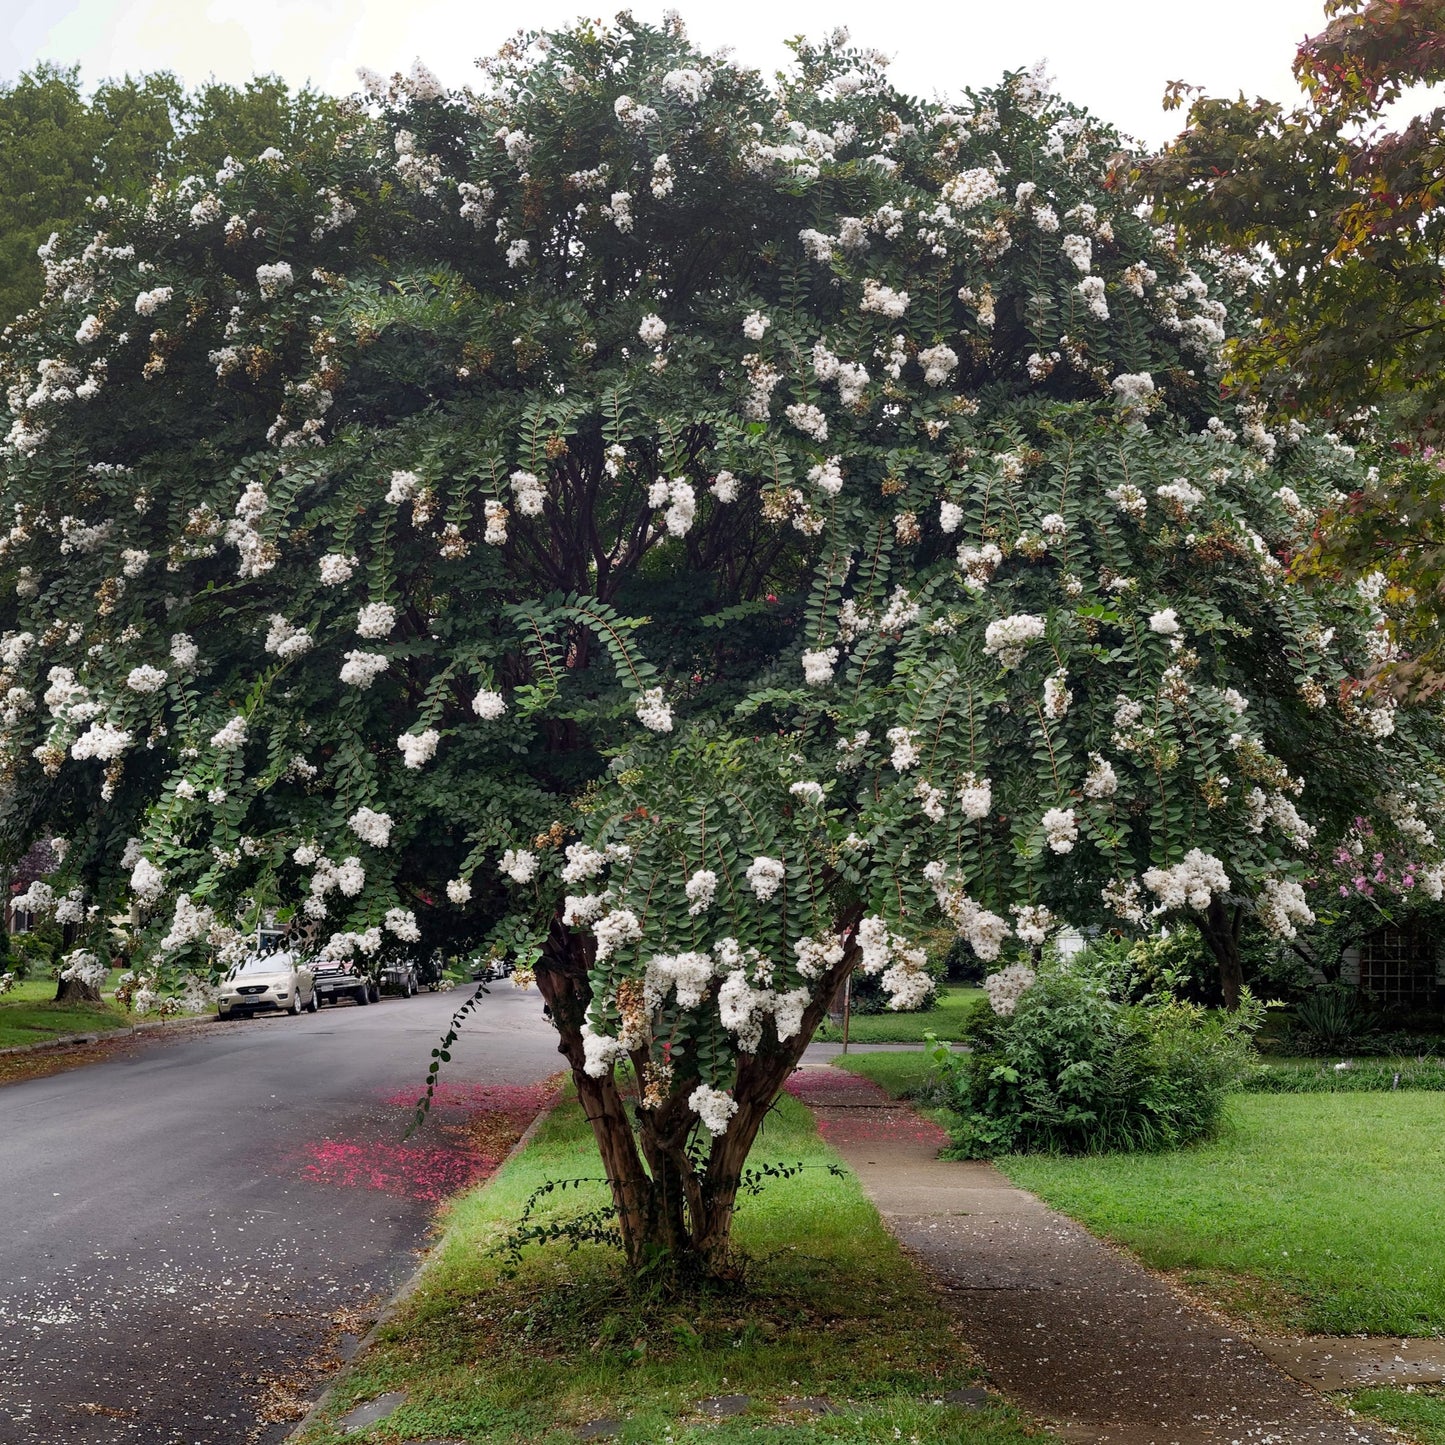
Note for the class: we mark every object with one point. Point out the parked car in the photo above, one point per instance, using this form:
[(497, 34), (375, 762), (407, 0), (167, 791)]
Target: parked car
[(489, 970), (277, 980), (402, 976), (336, 981)]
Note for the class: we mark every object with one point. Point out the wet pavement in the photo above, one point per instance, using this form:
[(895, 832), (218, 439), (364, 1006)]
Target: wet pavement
[(194, 1230), (1078, 1334)]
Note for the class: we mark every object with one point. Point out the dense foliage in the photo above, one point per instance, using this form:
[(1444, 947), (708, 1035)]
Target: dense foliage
[(1064, 1066), (688, 534)]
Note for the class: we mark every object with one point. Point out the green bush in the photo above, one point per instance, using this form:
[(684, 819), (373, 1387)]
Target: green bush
[(1073, 1070)]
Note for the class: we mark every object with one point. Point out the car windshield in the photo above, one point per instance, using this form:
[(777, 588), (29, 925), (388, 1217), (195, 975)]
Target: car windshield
[(278, 962)]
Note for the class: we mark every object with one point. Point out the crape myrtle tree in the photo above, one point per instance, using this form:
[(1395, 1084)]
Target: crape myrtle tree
[(688, 532)]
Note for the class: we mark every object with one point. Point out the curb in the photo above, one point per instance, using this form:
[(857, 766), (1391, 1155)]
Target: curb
[(407, 1287), (60, 1041)]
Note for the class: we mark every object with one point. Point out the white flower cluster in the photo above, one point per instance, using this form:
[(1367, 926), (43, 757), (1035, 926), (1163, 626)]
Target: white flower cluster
[(1057, 696), (1133, 390), (418, 749), (1091, 288), (402, 488), (1061, 829), (191, 921), (528, 492), (679, 517), (765, 876), (1101, 781), (489, 705), (1129, 500), (615, 928), (652, 330), (818, 666), (808, 420), (1006, 987), (755, 325), (1008, 637), (371, 827), (519, 864), (653, 712), (336, 568), (285, 641), (80, 965), (1189, 884), (1180, 496), (975, 796), (985, 932), (375, 620), (149, 302), (811, 793), (146, 679), (231, 737), (1281, 907), (905, 754), (1124, 898), (402, 922), (978, 564), (1164, 622), (713, 1107), (1032, 922), (274, 278), (361, 669), (700, 889), (883, 300), (939, 363)]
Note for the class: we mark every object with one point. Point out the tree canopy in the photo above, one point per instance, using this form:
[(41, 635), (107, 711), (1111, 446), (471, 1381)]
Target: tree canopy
[(688, 533)]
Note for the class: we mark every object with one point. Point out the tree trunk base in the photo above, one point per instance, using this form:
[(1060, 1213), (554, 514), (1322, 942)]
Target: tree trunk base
[(74, 990)]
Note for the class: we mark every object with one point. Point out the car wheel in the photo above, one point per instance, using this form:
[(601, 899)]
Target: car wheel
[(314, 1003), (294, 1009), (375, 991), (363, 994)]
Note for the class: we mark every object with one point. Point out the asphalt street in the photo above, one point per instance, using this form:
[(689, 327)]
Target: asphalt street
[(182, 1229)]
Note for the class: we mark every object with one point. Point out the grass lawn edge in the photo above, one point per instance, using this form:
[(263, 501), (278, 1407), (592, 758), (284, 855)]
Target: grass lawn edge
[(480, 1391)]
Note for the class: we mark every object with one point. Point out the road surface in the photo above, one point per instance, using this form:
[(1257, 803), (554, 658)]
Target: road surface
[(182, 1229)]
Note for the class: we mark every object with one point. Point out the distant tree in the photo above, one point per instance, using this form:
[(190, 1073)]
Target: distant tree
[(1340, 220), (58, 149)]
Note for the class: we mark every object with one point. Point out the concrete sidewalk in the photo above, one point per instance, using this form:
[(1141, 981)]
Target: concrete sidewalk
[(1071, 1330)]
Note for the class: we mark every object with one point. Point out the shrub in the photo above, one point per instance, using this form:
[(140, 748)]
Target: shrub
[(1335, 1019), (1073, 1070)]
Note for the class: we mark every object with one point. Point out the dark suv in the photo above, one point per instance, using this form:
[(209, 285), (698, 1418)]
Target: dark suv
[(335, 981)]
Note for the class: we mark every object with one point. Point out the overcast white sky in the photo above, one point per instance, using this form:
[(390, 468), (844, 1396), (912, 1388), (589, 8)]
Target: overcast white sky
[(1114, 56)]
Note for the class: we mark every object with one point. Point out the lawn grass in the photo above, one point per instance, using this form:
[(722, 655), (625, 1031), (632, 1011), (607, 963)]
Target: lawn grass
[(830, 1308), (1311, 1212), (1358, 1076), (29, 1015), (900, 1075), (955, 1003), (1418, 1412)]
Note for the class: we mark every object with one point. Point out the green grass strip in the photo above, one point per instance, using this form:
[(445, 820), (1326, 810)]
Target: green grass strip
[(955, 1003), (830, 1308)]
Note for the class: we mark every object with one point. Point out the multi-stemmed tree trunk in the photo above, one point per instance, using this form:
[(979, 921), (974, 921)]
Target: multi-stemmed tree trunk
[(1219, 927), (666, 1204)]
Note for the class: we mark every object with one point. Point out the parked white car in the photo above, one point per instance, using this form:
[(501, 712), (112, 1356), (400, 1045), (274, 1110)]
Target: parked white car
[(279, 980)]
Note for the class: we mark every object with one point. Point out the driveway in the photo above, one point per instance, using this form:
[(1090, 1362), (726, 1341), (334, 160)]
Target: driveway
[(185, 1227)]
